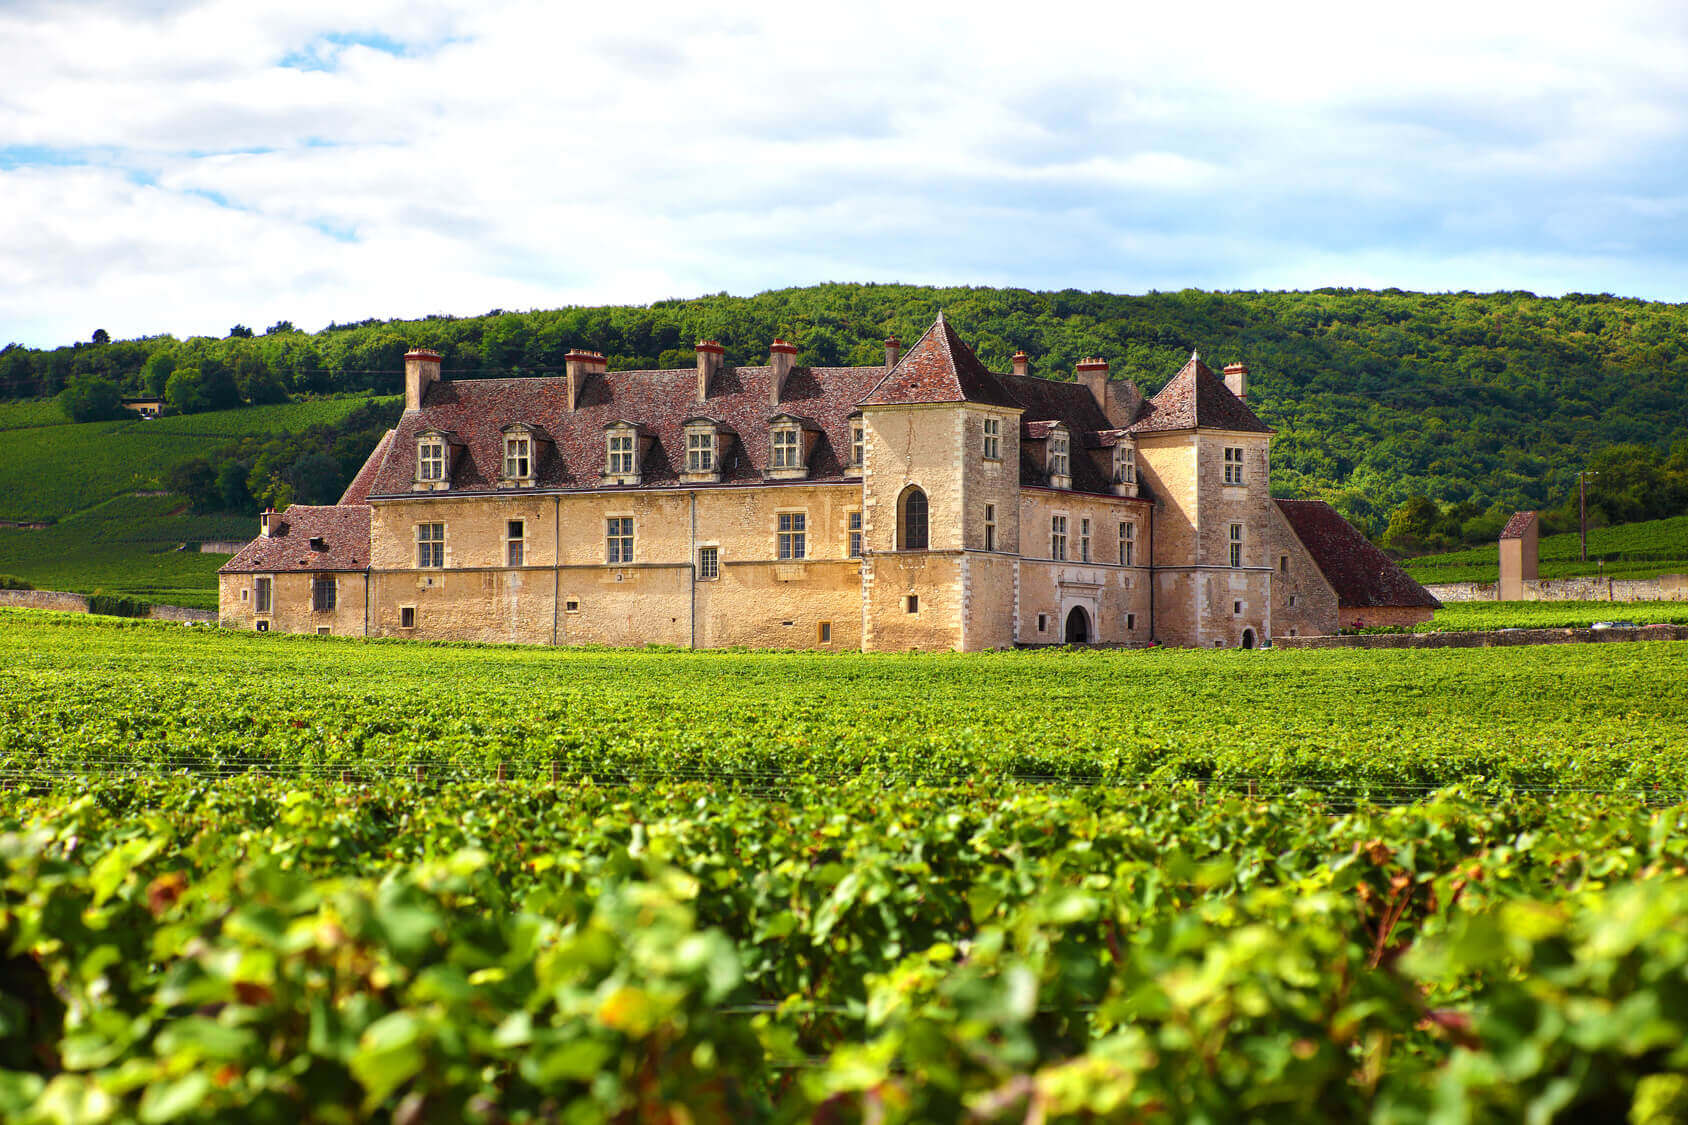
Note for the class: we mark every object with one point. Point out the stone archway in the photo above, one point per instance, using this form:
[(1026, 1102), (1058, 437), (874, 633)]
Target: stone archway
[(1248, 638), (1078, 630)]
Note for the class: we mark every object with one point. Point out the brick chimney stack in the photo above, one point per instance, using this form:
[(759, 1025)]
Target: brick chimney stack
[(1119, 401), (781, 356), (1093, 373), (1236, 379), (421, 367), (580, 366), (1022, 363), (709, 355), (266, 522), (893, 348)]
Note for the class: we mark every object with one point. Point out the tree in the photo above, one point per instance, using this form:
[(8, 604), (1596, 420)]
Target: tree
[(90, 398), (1411, 525), (101, 336), (155, 372), (240, 332), (257, 381), (316, 479), (280, 326), (190, 390), (232, 495)]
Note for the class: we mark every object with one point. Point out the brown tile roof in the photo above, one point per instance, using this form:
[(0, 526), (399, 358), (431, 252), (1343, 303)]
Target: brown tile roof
[(939, 368), (1360, 574), (1518, 525), (1196, 398), (358, 491), (660, 402), (342, 528)]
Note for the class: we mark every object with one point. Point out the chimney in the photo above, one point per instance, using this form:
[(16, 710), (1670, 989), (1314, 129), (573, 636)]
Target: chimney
[(421, 367), (1118, 401), (1093, 373), (893, 348), (580, 365), (266, 522), (1236, 379), (1023, 363), (781, 355), (709, 355)]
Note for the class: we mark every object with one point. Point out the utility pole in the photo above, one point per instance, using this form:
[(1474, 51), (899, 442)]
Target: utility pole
[(1582, 511)]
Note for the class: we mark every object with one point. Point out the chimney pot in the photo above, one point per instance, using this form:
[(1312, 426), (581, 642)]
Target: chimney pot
[(579, 365), (1022, 363), (781, 355), (1236, 379), (709, 355), (266, 522), (421, 368), (893, 348)]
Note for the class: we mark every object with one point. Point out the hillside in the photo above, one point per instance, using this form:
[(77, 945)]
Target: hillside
[(100, 488), (1489, 399), (1634, 550)]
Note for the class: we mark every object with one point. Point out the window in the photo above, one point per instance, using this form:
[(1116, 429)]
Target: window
[(518, 457), (262, 626), (322, 594), (1236, 544), (265, 586), (407, 617), (700, 451), (1128, 544), (1125, 464), (322, 631), (620, 455), (855, 528), (792, 534), (1084, 540), (1130, 621), (823, 633), (993, 439), (618, 539), (858, 444), (912, 521), (1236, 609), (1292, 601), (990, 527), (1043, 622), (571, 605), (1283, 564), (515, 532), (430, 459), (1058, 537), (246, 595), (1058, 454), (912, 602), (788, 448), (1233, 465), (430, 544), (708, 563)]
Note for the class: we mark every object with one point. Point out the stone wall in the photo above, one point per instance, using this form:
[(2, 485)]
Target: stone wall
[(1500, 638), (76, 603), (1665, 588)]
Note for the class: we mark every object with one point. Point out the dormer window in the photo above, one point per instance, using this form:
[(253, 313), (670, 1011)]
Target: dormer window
[(621, 455), (1125, 464), (706, 450), (790, 439), (518, 457), (700, 451), (625, 446), (1058, 458), (858, 443), (430, 459)]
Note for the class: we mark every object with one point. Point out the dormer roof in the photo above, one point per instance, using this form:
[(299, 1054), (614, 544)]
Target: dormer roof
[(940, 368), (1196, 399)]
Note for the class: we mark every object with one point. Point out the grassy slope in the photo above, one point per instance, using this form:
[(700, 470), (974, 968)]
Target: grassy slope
[(1574, 714), (1465, 616), (1632, 550), (84, 476)]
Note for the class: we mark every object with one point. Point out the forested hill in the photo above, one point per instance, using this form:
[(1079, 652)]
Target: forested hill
[(1476, 400)]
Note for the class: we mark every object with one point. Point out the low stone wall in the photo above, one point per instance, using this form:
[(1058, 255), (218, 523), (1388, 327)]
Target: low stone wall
[(1665, 588), (222, 546), (76, 603), (1494, 638)]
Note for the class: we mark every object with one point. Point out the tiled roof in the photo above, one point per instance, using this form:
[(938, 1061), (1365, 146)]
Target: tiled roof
[(1196, 398), (343, 529), (940, 368), (478, 410), (1518, 525), (1047, 401), (358, 491), (1360, 574)]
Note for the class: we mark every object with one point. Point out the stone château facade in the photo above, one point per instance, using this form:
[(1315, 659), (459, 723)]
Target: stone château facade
[(928, 503)]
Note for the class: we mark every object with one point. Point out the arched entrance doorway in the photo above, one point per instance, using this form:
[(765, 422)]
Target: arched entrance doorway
[(1078, 627), (1248, 638)]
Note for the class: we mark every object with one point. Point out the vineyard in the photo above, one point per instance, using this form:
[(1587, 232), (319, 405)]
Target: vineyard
[(268, 878), (1632, 550), (1466, 616)]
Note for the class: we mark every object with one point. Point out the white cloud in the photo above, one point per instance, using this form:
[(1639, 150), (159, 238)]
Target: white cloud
[(177, 167)]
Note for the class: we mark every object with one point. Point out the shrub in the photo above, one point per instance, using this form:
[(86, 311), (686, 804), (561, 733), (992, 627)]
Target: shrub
[(13, 582), (117, 605)]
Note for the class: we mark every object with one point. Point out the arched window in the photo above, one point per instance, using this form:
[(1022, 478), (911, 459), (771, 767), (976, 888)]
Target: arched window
[(911, 521)]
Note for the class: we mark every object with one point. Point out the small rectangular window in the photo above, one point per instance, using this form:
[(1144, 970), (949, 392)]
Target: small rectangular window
[(572, 605), (1128, 544), (708, 563), (855, 528), (515, 535), (993, 439), (1283, 564), (264, 587), (913, 603), (322, 594), (1058, 538), (407, 617), (788, 448), (700, 451), (1058, 454), (430, 544), (518, 459), (823, 632), (1236, 609), (620, 455), (858, 444), (322, 631), (1233, 465), (990, 527), (262, 626), (1130, 621), (1236, 544), (618, 539), (1292, 601), (792, 534), (1084, 540), (1043, 622), (246, 595)]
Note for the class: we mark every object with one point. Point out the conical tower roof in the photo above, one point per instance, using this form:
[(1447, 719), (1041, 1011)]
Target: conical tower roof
[(940, 367), (1195, 399)]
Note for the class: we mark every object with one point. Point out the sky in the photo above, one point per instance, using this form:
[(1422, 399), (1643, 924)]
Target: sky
[(183, 167)]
